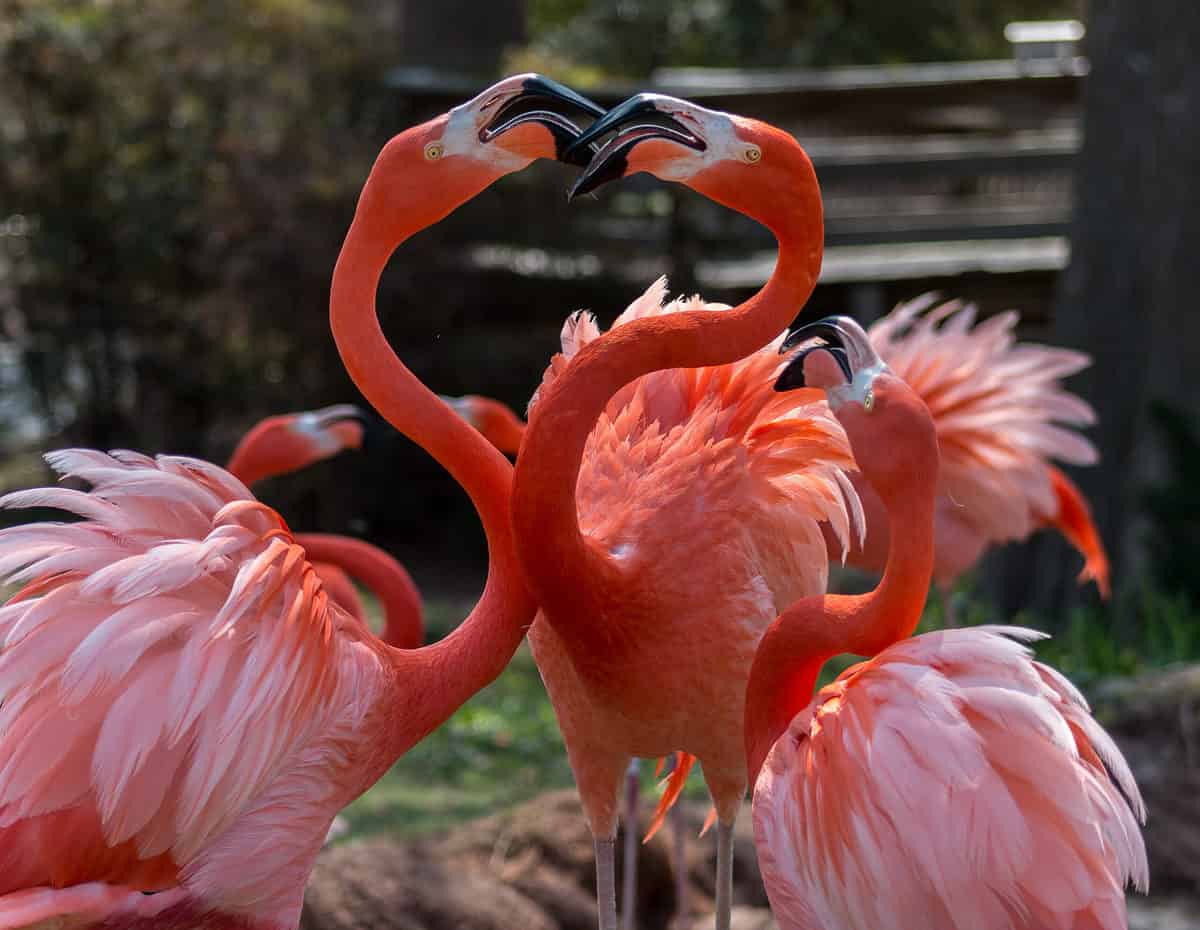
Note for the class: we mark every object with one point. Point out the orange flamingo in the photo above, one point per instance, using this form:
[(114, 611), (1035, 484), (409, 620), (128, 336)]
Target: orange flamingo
[(494, 419), (183, 709), (286, 443), (950, 781), (997, 405), (662, 523)]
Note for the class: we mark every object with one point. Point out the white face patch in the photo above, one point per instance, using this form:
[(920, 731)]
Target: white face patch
[(719, 132), (857, 390), (309, 425), (461, 136)]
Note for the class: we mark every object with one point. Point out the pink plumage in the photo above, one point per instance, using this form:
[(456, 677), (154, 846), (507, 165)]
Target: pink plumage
[(949, 783), (1001, 415), (182, 709), (704, 489)]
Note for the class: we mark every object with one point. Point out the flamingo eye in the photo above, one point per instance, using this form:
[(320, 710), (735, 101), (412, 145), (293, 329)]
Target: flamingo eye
[(869, 401), (752, 154), (433, 151)]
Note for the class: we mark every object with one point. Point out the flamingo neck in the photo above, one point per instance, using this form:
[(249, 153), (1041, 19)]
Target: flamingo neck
[(815, 629), (382, 575), (402, 196), (578, 588)]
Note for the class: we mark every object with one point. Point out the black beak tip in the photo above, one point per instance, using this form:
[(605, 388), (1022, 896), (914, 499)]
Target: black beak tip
[(569, 154), (792, 377), (638, 103), (542, 85)]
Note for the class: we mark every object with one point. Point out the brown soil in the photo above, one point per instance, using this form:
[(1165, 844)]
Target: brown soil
[(530, 868)]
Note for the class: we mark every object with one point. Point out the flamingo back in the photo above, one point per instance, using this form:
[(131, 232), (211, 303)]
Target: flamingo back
[(175, 687), (951, 783), (998, 405), (689, 428)]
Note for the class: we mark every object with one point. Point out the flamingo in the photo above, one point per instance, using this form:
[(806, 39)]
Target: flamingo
[(286, 443), (950, 781), (997, 405), (182, 709), (494, 419), (662, 523)]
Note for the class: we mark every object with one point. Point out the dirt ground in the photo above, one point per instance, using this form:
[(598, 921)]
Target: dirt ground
[(530, 868)]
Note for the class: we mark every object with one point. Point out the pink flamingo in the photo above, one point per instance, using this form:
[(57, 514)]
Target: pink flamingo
[(494, 419), (662, 523), (997, 405), (779, 468), (183, 709), (286, 443), (950, 781)]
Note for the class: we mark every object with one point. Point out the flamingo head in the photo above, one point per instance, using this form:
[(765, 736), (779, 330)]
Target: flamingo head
[(289, 442), (890, 430), (495, 420), (426, 171), (743, 163), (512, 123)]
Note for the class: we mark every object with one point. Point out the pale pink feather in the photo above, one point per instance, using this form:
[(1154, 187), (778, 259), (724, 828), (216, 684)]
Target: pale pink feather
[(999, 407), (180, 689), (949, 783)]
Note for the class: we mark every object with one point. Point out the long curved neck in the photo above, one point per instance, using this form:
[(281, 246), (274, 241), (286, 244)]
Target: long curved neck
[(399, 199), (815, 629), (577, 580), (383, 576)]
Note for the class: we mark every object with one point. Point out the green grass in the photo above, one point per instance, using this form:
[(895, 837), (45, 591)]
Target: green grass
[(503, 746)]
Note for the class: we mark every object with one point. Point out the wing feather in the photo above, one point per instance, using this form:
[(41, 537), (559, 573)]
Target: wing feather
[(949, 782), (998, 405), (174, 658)]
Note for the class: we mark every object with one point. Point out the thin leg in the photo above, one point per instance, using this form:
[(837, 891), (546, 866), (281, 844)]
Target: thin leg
[(632, 831), (606, 883), (949, 614), (724, 874), (679, 829)]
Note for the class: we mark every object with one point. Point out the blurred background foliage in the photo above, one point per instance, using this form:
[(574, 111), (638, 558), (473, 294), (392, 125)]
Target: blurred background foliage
[(630, 38), (175, 182), (177, 177)]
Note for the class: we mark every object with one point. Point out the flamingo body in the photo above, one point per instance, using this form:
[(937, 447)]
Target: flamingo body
[(950, 782), (1001, 415), (177, 688), (704, 490)]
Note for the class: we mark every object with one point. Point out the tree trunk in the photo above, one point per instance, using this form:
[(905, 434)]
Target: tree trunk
[(1129, 296)]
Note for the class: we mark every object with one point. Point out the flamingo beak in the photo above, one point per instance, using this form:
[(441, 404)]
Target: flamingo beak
[(792, 377), (350, 424), (639, 118), (539, 102)]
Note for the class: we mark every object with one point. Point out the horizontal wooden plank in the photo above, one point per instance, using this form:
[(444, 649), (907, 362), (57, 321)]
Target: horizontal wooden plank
[(850, 264)]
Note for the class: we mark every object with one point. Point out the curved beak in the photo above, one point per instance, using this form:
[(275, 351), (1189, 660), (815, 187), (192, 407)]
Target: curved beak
[(341, 413), (841, 337), (540, 101), (639, 118)]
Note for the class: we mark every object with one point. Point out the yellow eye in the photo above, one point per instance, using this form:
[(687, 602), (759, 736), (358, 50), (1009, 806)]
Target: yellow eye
[(869, 401), (433, 151), (752, 154)]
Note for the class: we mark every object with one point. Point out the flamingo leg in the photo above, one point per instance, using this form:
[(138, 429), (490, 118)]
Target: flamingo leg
[(679, 831), (724, 874), (629, 870), (606, 882)]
